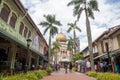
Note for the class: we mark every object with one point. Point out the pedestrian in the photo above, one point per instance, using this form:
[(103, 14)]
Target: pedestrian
[(65, 66), (70, 67), (104, 66), (79, 67), (101, 66), (56, 67), (88, 65)]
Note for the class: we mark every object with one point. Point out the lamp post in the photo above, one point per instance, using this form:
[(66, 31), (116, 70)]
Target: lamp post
[(27, 56), (107, 50)]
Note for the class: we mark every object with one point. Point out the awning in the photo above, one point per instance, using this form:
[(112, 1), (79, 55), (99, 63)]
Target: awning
[(100, 55), (8, 36), (112, 53)]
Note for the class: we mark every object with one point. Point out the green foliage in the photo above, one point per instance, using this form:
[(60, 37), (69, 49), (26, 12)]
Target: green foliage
[(104, 76), (55, 46), (44, 73), (1, 76), (49, 70), (93, 74), (31, 75), (74, 69), (70, 43), (77, 57)]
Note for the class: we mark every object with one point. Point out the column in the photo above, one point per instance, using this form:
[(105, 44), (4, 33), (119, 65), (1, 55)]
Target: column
[(11, 56), (29, 60), (37, 61)]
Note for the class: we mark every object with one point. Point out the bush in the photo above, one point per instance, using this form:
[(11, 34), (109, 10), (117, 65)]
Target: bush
[(104, 76), (93, 74), (74, 69), (1, 76), (31, 75), (49, 70), (43, 73)]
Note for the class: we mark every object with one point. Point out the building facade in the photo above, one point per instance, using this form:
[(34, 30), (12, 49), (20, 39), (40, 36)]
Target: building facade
[(63, 55), (106, 46), (16, 26)]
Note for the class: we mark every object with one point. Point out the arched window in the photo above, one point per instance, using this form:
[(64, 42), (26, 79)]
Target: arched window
[(13, 20), (25, 32), (29, 34), (21, 28), (5, 13)]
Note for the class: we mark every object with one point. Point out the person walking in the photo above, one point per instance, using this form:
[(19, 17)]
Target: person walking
[(88, 65), (70, 67), (56, 67), (65, 66)]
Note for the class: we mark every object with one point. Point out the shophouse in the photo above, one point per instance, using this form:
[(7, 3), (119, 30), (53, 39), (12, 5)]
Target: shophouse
[(107, 46), (16, 29)]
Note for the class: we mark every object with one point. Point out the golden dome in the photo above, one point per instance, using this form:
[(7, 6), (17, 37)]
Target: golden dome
[(61, 37)]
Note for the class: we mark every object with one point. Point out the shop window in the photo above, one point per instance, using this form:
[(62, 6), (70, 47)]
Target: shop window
[(29, 34), (21, 28), (5, 13), (25, 32), (13, 20)]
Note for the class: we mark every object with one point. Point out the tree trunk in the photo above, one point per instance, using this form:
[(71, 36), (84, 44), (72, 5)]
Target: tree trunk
[(89, 41), (74, 42), (49, 49)]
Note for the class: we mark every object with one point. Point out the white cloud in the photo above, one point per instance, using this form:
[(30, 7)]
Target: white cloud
[(106, 18)]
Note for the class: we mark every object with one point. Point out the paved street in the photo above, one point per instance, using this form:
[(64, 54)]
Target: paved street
[(60, 75)]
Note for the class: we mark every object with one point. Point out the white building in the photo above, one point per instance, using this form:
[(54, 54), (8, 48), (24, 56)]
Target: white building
[(63, 56)]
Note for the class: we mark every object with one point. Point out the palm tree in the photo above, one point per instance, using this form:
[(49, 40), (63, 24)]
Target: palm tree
[(88, 6), (50, 25), (56, 47), (70, 46), (73, 26)]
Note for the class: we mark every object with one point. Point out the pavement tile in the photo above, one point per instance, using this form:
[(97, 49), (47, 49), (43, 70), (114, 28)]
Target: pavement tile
[(60, 75)]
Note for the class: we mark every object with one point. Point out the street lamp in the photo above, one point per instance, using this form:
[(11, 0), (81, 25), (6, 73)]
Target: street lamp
[(28, 42), (107, 50), (27, 56)]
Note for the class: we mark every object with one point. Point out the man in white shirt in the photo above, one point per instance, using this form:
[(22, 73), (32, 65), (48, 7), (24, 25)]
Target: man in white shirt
[(88, 65)]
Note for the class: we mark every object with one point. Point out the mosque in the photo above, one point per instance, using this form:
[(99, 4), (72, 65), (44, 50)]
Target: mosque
[(63, 56)]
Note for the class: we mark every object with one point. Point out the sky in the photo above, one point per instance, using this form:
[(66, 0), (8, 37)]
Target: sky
[(107, 17)]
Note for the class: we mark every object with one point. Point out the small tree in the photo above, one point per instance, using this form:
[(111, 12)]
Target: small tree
[(77, 57)]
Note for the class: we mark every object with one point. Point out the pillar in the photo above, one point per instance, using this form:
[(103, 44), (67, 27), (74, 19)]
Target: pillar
[(37, 61), (29, 60), (11, 56)]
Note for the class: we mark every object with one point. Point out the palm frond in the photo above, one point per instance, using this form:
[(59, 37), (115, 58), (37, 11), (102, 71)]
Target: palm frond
[(78, 29), (44, 24), (46, 29), (53, 31), (79, 13), (71, 3), (93, 5), (90, 13), (69, 29), (74, 2), (57, 23), (56, 45)]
